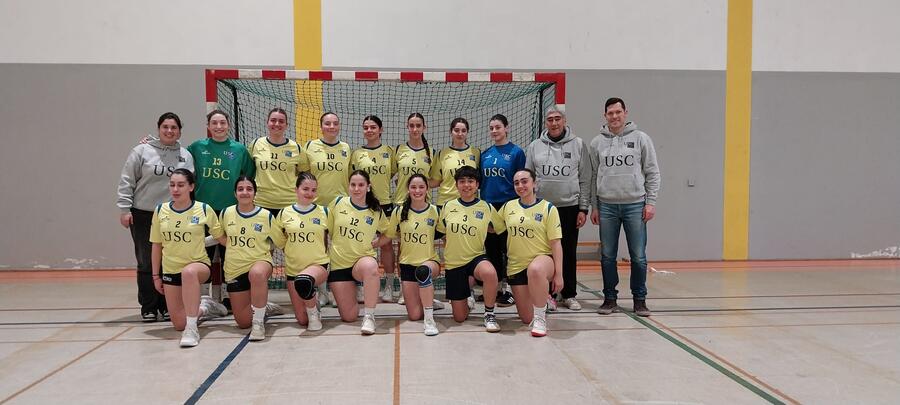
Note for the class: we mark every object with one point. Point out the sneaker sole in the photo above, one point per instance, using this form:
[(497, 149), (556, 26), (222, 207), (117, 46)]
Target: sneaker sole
[(538, 334), (367, 332), (182, 344), (257, 338), (492, 330)]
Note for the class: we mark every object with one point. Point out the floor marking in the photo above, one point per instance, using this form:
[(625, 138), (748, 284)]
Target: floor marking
[(397, 362), (726, 362), (62, 367), (718, 367), (217, 372)]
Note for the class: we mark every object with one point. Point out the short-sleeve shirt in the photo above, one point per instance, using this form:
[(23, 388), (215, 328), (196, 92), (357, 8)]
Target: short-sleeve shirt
[(181, 234), (379, 164), (353, 229), (277, 167), (465, 225), (407, 162), (416, 234), (331, 166), (529, 230), (445, 166), (302, 236), (249, 239)]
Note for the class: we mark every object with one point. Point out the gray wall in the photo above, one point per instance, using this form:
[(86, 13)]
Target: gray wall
[(824, 165), (823, 175)]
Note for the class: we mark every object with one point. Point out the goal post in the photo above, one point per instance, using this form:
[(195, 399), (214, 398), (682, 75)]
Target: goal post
[(248, 95)]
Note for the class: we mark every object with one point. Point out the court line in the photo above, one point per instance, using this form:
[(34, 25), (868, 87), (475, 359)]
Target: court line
[(716, 366), (397, 362), (60, 368), (218, 371)]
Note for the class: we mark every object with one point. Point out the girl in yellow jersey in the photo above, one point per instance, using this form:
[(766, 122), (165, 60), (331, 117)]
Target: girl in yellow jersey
[(413, 157), (278, 160), (248, 257), (178, 229), (329, 160), (415, 224), (301, 230), (377, 159), (535, 251), (465, 222), (451, 158), (355, 223)]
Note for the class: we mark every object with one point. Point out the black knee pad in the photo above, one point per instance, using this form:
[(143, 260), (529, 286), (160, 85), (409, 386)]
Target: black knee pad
[(423, 276), (305, 286)]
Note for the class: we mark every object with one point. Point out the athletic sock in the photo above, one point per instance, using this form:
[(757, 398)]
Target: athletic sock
[(259, 314), (488, 310), (540, 312), (429, 312), (369, 311), (191, 322)]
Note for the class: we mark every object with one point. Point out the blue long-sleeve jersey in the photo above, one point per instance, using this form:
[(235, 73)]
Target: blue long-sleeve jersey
[(498, 166)]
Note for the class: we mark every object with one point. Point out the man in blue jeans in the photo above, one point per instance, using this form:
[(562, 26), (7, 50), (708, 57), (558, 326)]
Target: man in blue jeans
[(626, 182)]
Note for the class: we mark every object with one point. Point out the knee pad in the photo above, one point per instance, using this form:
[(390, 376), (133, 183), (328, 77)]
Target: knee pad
[(305, 286), (423, 276)]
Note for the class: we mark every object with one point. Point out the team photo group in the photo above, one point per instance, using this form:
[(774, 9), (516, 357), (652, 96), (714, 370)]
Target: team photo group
[(508, 219)]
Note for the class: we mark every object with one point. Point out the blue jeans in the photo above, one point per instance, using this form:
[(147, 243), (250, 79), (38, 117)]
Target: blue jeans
[(613, 217)]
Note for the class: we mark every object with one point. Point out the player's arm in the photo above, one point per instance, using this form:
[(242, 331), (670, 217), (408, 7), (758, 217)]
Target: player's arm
[(155, 265), (556, 251)]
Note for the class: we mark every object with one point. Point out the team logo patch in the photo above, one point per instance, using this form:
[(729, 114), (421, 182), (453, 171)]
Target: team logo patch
[(429, 222), (229, 154), (629, 144), (181, 159), (206, 152), (385, 155), (567, 155), (344, 212), (369, 220), (472, 157), (506, 157), (538, 217), (195, 220), (479, 214), (288, 153), (230, 223), (427, 160), (344, 153), (257, 227), (316, 221)]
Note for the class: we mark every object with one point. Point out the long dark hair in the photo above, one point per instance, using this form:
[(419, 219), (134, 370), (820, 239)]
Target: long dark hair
[(189, 176), (424, 141), (371, 202), (244, 177), (404, 213)]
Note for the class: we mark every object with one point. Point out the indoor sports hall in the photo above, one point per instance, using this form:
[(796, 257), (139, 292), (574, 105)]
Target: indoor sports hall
[(772, 246)]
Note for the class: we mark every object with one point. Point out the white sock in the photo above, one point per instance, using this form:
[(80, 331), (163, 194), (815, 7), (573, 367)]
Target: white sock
[(429, 313), (191, 322), (311, 311), (369, 311), (540, 312), (259, 314)]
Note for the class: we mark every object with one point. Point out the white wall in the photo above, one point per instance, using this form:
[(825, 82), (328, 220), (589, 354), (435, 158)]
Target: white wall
[(826, 36), (158, 32), (525, 34)]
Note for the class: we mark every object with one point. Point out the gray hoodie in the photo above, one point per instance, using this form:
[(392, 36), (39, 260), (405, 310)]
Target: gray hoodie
[(563, 177), (145, 176), (623, 167)]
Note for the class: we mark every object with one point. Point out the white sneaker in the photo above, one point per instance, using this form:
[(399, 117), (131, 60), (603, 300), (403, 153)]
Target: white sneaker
[(315, 320), (572, 304), (331, 301), (257, 331), (322, 297), (539, 327), (211, 309), (490, 322), (551, 304), (368, 325), (360, 295), (388, 294), (470, 302), (430, 327), (401, 300), (190, 337), (437, 304), (273, 309)]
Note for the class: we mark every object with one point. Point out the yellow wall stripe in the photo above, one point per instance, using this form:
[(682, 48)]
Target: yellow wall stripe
[(738, 87), (308, 56)]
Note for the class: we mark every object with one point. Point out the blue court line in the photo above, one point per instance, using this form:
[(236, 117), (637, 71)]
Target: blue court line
[(217, 372)]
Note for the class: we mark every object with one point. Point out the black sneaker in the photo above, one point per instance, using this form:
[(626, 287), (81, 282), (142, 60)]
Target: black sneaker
[(227, 303), (608, 307), (640, 308), (148, 317), (479, 298), (505, 299), (164, 315)]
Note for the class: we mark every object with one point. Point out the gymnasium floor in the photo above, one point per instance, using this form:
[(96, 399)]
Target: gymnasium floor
[(781, 332)]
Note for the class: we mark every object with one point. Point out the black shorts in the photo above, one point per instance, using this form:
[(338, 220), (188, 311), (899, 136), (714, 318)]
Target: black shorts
[(388, 209), (520, 278), (292, 278), (341, 275), (408, 272), (239, 284), (172, 279), (458, 279)]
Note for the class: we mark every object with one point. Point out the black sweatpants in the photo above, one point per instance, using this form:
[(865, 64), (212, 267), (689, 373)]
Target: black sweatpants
[(568, 218), (150, 299)]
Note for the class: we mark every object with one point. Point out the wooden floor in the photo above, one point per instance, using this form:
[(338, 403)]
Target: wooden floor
[(736, 332)]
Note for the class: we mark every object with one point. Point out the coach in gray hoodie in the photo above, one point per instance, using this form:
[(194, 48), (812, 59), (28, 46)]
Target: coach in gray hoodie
[(626, 181), (563, 179), (144, 185)]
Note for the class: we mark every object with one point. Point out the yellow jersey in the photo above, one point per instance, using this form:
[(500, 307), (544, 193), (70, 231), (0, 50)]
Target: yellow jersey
[(465, 225), (181, 234), (331, 166), (277, 167), (529, 230), (249, 239), (353, 229), (379, 164), (445, 166), (416, 234), (407, 162), (302, 236)]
